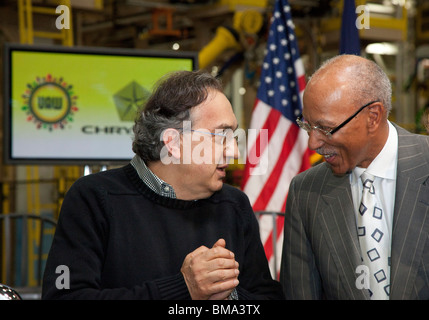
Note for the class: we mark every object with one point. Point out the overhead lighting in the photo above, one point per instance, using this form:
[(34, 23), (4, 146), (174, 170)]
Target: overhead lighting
[(380, 8), (382, 48)]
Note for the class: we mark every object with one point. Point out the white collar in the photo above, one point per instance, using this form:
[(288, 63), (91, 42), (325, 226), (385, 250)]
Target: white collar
[(384, 165)]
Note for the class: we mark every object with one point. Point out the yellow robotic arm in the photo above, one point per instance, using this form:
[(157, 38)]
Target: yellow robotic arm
[(244, 22)]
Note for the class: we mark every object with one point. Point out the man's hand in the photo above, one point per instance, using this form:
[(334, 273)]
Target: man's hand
[(210, 273)]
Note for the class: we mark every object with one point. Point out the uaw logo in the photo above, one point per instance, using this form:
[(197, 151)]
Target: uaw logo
[(49, 103)]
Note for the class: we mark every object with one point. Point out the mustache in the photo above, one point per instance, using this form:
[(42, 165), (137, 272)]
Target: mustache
[(324, 151)]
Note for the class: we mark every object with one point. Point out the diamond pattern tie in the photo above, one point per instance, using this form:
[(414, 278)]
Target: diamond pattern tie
[(374, 240)]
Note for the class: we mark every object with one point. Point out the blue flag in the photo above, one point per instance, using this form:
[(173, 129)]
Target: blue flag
[(350, 43)]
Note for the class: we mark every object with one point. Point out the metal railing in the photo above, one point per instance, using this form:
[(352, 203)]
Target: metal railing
[(9, 245)]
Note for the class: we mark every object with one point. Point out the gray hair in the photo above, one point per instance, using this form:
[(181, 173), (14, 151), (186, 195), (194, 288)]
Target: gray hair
[(169, 105), (368, 81)]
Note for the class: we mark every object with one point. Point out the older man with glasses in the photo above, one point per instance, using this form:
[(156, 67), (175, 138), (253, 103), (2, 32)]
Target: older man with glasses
[(356, 226)]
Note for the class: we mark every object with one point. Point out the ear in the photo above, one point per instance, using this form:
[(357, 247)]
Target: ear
[(171, 139), (376, 115)]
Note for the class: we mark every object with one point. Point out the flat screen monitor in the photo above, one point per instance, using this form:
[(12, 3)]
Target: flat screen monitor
[(71, 105)]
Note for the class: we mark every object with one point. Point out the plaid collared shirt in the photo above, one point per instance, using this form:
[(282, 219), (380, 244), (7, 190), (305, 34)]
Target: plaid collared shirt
[(156, 184)]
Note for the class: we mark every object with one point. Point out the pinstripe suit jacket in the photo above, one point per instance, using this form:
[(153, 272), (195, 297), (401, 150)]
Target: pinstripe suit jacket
[(321, 250)]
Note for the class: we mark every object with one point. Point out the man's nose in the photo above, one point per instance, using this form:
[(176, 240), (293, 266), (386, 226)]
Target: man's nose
[(315, 140)]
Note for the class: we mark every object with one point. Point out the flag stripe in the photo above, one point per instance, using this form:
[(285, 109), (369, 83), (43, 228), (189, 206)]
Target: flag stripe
[(271, 183), (290, 168), (301, 83), (282, 197), (270, 124), (254, 183), (268, 246), (257, 147)]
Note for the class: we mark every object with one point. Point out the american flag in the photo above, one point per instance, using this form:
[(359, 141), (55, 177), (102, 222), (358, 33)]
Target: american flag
[(278, 103)]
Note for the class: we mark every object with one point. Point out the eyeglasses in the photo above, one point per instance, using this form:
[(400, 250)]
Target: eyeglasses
[(307, 127), (222, 138)]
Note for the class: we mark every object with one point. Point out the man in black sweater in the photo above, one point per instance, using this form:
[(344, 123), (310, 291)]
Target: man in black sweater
[(164, 226)]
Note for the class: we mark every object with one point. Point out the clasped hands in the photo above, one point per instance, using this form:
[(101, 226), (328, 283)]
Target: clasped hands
[(210, 273)]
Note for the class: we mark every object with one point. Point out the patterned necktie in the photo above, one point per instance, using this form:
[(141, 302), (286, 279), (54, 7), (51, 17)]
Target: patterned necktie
[(374, 240)]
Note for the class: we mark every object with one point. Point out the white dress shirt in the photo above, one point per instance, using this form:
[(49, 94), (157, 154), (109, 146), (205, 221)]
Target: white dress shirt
[(383, 167)]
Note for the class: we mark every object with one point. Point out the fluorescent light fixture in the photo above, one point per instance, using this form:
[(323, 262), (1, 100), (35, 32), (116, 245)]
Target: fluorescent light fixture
[(382, 48)]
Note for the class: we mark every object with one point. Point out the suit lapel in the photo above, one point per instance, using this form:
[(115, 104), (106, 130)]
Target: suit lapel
[(338, 221), (410, 223)]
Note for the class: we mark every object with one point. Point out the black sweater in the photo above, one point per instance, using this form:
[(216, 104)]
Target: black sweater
[(120, 240)]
